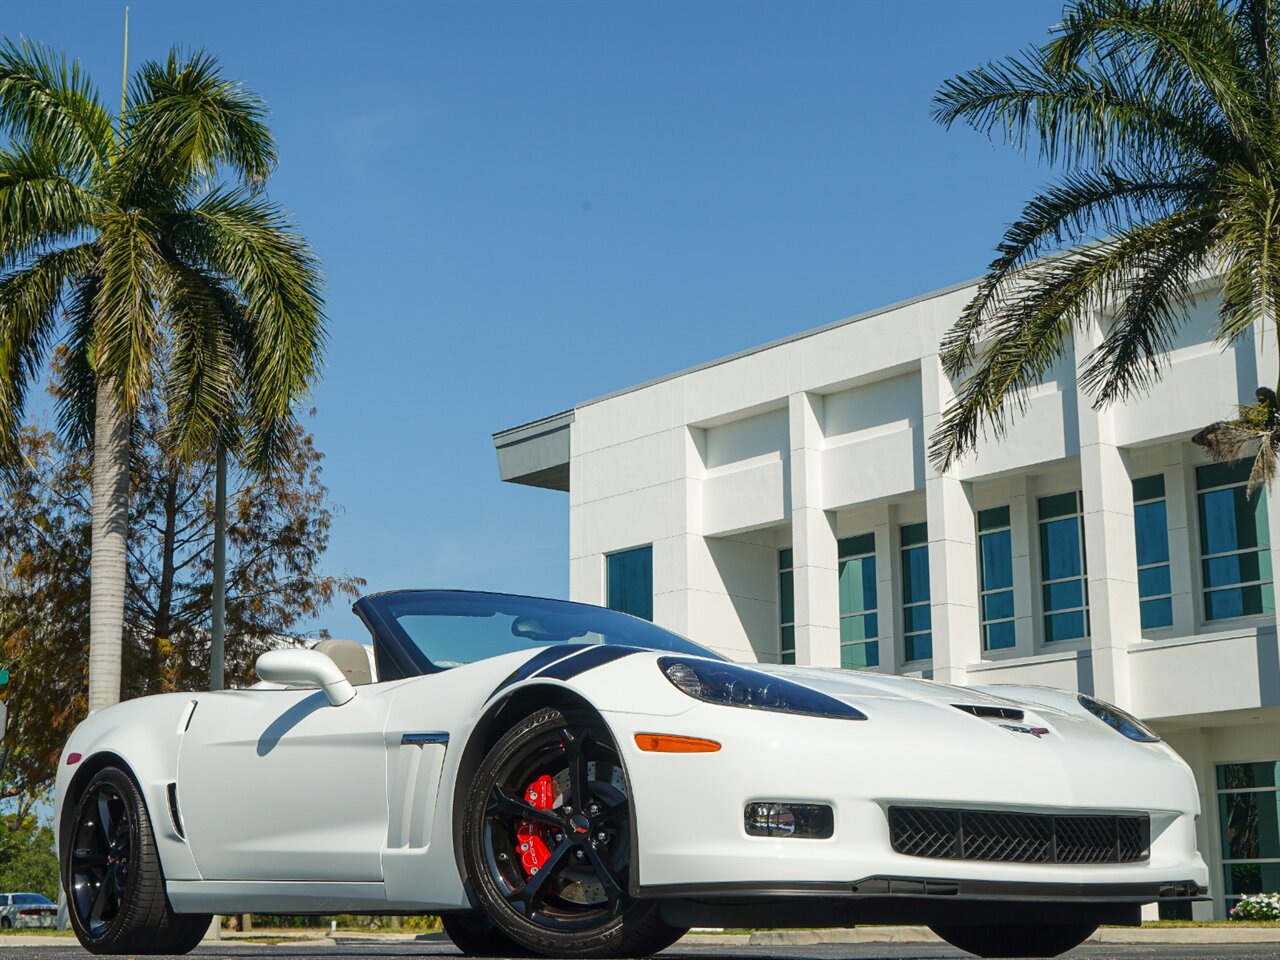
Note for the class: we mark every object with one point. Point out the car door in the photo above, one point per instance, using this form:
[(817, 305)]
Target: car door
[(280, 785)]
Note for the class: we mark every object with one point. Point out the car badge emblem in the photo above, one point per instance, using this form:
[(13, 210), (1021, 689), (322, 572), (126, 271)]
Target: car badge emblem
[(1036, 732)]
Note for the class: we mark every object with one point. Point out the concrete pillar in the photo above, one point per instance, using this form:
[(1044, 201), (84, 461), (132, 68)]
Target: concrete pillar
[(953, 581), (1111, 553), (1026, 565), (813, 541), (953, 584), (1184, 550), (886, 533), (676, 557)]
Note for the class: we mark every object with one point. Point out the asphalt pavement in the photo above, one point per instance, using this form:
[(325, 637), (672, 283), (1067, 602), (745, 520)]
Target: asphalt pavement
[(353, 950)]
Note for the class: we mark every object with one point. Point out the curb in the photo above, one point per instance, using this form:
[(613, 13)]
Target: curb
[(1191, 935), (920, 934)]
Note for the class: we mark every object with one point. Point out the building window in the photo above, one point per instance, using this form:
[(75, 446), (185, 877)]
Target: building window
[(859, 623), (995, 578), (1064, 592), (1249, 821), (1235, 545), (917, 619), (1151, 530), (630, 581), (786, 608)]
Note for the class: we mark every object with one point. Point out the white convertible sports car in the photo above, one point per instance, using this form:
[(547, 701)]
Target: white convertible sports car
[(557, 778)]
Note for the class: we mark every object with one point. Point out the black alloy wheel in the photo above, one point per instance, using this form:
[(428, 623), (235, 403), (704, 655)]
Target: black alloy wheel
[(102, 849), (548, 838), (111, 871)]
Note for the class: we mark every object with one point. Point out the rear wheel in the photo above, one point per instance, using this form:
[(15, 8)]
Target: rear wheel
[(111, 871), (1017, 940), (547, 843)]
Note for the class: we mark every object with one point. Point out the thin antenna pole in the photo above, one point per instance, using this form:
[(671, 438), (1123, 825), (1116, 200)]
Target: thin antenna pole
[(124, 75)]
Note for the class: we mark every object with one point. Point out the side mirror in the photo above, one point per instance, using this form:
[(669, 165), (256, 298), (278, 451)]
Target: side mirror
[(306, 668)]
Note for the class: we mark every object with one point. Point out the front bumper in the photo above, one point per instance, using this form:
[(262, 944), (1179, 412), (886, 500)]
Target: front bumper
[(689, 808), (910, 900)]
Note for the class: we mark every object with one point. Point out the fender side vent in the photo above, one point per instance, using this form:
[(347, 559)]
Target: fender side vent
[(988, 712), (174, 815)]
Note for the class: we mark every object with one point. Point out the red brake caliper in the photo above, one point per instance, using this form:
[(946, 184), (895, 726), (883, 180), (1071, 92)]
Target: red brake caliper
[(533, 836)]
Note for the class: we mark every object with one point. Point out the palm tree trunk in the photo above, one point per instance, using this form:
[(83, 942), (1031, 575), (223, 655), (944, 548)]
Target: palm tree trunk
[(107, 566)]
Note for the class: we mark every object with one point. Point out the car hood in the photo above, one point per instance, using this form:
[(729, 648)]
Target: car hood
[(853, 687)]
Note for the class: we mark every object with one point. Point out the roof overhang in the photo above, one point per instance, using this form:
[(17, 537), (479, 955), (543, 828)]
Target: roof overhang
[(536, 454)]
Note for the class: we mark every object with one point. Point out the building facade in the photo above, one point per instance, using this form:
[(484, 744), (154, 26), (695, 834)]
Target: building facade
[(778, 505)]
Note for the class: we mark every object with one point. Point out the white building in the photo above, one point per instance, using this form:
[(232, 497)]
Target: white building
[(778, 504)]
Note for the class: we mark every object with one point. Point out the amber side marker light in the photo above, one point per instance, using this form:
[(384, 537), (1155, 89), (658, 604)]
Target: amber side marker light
[(670, 743)]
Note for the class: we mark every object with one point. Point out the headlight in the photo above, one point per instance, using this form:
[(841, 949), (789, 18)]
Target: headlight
[(1118, 720), (734, 686)]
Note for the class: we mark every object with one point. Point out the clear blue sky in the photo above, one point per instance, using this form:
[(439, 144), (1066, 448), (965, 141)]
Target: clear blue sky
[(522, 206)]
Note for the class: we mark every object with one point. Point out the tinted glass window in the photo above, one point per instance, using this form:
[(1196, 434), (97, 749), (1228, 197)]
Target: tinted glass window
[(1064, 593), (786, 608), (1151, 533), (995, 578), (917, 619), (1235, 554), (859, 621), (630, 577)]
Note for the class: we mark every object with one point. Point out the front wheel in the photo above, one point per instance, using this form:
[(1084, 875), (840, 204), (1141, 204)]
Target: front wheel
[(1016, 940), (111, 872), (547, 843)]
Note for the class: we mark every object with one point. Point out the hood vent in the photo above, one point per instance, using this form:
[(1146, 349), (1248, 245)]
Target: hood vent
[(987, 712)]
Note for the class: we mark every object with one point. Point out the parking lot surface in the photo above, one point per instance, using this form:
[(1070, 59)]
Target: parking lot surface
[(340, 950)]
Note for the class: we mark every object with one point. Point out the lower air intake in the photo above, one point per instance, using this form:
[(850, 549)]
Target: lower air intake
[(995, 835)]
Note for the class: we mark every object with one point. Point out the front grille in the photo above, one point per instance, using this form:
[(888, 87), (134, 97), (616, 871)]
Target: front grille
[(1018, 837)]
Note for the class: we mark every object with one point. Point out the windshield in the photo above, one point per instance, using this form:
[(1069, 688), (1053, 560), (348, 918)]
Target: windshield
[(449, 628)]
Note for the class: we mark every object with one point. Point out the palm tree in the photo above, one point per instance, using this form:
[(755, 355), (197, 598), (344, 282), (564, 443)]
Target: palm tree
[(1166, 115), (119, 242)]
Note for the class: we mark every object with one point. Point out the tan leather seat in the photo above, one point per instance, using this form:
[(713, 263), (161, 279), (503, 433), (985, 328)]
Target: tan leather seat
[(350, 657)]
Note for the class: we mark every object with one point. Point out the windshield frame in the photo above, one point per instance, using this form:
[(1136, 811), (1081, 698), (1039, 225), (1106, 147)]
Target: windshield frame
[(399, 656)]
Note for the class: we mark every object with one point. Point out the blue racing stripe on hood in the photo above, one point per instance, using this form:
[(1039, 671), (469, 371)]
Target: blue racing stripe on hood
[(542, 658), (588, 659)]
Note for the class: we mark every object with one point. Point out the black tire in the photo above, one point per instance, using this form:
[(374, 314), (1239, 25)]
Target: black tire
[(5, 923), (1017, 940), (576, 904), (478, 936), (112, 875)]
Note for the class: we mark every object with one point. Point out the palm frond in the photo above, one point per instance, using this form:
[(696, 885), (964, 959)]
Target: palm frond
[(39, 205), (1032, 331), (77, 385), (185, 119), (1264, 465), (126, 327), (247, 240), (1154, 295), (1083, 206), (1249, 233), (48, 104), (29, 300), (204, 379), (1080, 115), (1183, 50)]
